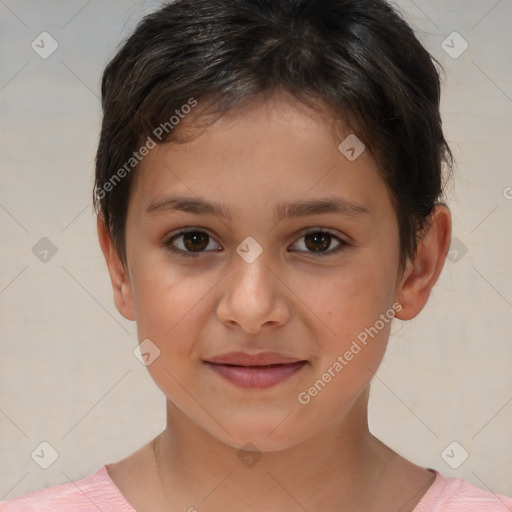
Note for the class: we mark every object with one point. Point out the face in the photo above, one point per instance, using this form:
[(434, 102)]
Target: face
[(317, 285)]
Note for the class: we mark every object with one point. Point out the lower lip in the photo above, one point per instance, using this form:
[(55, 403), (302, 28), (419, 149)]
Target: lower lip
[(257, 376)]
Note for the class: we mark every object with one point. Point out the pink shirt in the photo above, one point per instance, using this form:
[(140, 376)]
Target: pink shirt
[(98, 492)]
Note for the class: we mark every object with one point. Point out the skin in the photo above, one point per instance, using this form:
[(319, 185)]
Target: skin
[(318, 456)]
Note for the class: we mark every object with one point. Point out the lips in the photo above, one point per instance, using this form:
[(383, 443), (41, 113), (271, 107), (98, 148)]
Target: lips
[(258, 359), (261, 370)]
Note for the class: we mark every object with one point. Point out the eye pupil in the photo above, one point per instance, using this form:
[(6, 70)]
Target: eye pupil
[(195, 236), (316, 237)]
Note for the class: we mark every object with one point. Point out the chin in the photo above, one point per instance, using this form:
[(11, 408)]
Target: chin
[(265, 431)]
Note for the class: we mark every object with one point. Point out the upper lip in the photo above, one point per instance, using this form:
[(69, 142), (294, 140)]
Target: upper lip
[(259, 359)]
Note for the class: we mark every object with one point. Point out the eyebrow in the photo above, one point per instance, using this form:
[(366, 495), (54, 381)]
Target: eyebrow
[(199, 206)]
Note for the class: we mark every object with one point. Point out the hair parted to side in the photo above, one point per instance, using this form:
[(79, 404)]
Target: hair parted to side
[(357, 58)]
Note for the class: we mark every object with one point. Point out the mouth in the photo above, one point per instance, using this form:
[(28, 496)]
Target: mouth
[(256, 371)]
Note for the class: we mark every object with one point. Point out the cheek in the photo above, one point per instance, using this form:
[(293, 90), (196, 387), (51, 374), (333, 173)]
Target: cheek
[(167, 299), (350, 300), (170, 308), (349, 356)]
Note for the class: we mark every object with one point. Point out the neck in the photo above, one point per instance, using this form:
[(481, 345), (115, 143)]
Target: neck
[(342, 465)]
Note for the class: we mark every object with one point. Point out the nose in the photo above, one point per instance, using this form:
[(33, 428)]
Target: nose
[(254, 297)]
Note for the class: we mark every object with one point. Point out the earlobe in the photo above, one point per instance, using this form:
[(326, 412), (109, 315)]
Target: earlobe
[(119, 277), (422, 274)]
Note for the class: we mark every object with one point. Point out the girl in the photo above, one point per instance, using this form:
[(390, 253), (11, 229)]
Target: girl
[(268, 186)]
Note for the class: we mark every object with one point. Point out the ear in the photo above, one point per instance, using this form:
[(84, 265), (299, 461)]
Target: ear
[(119, 276), (422, 273)]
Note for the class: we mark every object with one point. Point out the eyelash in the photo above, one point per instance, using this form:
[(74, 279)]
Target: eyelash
[(188, 254)]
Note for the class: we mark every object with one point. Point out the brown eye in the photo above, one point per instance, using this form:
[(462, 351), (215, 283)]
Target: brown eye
[(195, 240), (192, 242), (317, 242)]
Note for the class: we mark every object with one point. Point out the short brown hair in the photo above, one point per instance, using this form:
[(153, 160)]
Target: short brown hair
[(360, 58)]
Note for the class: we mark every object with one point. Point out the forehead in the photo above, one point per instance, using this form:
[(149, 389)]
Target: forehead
[(266, 150)]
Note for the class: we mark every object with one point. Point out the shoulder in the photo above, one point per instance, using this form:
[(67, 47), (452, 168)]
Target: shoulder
[(456, 494), (92, 493)]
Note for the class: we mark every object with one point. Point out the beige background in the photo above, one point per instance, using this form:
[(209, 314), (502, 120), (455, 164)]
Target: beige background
[(68, 374)]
